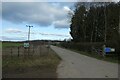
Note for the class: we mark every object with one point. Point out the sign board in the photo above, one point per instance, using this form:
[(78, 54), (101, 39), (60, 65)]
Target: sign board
[(112, 49), (26, 44), (107, 49)]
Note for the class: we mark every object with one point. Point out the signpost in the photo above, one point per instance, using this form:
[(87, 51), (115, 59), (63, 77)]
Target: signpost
[(108, 50), (26, 45), (112, 49)]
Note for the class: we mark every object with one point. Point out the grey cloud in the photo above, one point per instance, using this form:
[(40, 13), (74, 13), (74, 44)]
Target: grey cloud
[(62, 24), (54, 34), (24, 32), (13, 31), (0, 12), (43, 14), (50, 0), (6, 38)]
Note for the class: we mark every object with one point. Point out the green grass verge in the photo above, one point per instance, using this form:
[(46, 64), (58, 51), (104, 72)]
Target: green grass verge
[(43, 63), (16, 63), (99, 57), (11, 44)]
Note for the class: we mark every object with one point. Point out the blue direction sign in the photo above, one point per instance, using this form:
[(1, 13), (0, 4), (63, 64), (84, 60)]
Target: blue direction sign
[(107, 49)]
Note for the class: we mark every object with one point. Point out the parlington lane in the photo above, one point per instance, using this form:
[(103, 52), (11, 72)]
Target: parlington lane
[(75, 65)]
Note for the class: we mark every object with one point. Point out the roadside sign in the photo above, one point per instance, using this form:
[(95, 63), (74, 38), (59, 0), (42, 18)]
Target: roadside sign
[(26, 44), (112, 49), (108, 49)]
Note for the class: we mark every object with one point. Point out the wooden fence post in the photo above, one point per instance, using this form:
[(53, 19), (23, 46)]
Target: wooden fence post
[(18, 51), (40, 49), (28, 49), (24, 52), (48, 47), (11, 52), (103, 54), (33, 50)]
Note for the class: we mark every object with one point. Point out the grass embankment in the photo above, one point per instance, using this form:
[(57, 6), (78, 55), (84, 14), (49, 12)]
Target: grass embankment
[(108, 58), (11, 44), (36, 66)]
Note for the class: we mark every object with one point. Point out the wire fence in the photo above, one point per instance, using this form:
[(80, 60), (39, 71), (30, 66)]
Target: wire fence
[(40, 50)]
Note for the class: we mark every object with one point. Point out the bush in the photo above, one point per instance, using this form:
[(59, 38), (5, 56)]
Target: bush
[(82, 46), (90, 47)]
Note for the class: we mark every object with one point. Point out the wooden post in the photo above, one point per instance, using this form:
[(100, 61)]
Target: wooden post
[(48, 48), (11, 52), (33, 50), (24, 52), (18, 51), (28, 51), (40, 49), (104, 51)]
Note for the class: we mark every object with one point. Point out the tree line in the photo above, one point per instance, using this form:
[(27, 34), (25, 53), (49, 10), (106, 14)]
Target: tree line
[(96, 22)]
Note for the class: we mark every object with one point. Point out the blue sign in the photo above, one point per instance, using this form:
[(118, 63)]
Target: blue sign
[(107, 49)]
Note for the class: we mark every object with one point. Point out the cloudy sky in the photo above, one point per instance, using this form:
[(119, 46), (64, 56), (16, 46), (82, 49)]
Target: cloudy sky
[(49, 19)]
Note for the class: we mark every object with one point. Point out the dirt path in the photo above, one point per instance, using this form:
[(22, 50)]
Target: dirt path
[(75, 65)]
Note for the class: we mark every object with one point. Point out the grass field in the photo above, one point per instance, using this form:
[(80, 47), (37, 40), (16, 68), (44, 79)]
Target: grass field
[(35, 66), (50, 60), (11, 44)]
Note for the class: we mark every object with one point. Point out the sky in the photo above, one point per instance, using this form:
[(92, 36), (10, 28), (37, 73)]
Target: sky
[(49, 19)]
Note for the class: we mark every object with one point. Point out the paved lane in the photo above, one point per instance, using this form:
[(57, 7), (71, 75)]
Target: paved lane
[(75, 65)]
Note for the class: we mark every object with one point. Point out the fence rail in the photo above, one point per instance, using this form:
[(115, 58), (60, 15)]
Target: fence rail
[(40, 50)]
